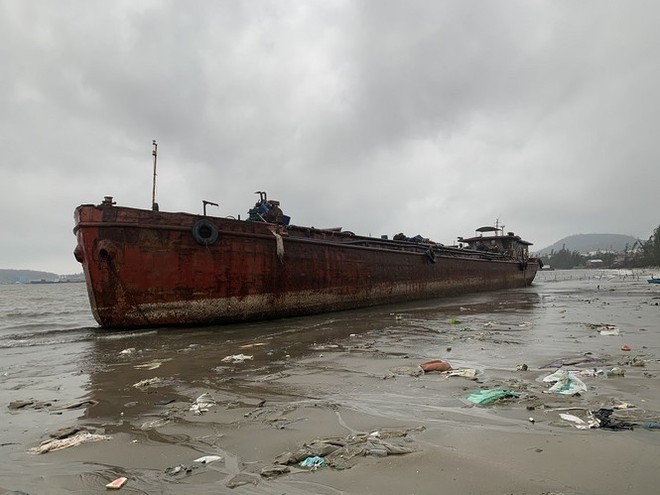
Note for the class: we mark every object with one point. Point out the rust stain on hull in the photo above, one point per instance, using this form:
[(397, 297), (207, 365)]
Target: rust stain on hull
[(149, 268)]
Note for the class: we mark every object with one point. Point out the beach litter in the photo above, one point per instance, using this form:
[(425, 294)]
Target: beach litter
[(580, 423), (487, 396), (470, 373), (181, 468), (343, 452), (565, 383), (637, 362), (616, 371), (237, 358), (604, 329), (117, 484), (312, 462), (435, 365), (64, 443), (151, 365), (148, 382), (207, 459), (203, 403), (602, 418)]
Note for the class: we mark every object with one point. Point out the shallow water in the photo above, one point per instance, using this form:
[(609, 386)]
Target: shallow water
[(53, 354)]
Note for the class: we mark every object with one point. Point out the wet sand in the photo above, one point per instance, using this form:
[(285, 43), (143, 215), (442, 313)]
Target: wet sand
[(354, 377)]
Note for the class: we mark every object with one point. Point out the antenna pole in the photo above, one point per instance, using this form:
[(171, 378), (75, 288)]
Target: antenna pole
[(154, 205)]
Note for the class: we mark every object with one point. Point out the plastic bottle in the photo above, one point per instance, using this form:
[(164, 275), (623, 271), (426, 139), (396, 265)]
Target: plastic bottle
[(616, 371)]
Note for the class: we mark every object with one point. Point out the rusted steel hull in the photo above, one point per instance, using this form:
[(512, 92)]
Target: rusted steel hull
[(147, 268)]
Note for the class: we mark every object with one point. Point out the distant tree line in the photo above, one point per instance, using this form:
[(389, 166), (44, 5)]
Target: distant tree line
[(640, 254)]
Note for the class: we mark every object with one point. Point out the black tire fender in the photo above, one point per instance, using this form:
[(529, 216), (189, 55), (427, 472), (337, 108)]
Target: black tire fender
[(205, 232)]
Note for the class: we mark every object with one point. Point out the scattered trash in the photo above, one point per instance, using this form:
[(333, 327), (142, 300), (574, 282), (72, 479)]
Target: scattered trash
[(181, 468), (435, 365), (604, 329), (236, 358), (148, 382), (565, 383), (153, 424), (488, 396), (637, 361), (532, 420), (465, 373), (604, 417), (64, 443), (312, 462), (579, 423), (127, 352), (454, 321), (343, 452), (152, 365), (203, 403), (117, 484), (522, 367), (626, 348), (207, 459), (616, 371), (256, 344), (592, 372)]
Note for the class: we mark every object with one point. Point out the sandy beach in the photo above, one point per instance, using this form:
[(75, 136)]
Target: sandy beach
[(261, 397)]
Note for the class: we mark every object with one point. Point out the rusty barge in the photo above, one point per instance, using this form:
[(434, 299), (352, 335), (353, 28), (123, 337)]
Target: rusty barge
[(151, 268)]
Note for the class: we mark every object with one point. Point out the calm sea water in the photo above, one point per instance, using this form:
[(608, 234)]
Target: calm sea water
[(43, 314)]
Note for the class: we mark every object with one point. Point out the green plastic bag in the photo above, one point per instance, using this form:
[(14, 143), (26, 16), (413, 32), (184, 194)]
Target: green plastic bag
[(488, 396)]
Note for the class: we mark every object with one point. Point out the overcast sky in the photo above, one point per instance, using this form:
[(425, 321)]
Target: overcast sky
[(423, 117)]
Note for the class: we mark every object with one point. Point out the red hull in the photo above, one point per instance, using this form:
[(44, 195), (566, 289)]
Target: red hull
[(148, 268)]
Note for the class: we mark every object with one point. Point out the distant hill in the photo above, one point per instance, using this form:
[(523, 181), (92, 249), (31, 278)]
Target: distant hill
[(586, 243), (25, 276)]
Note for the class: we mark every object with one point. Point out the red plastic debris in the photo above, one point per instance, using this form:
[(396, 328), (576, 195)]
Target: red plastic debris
[(117, 484), (435, 365)]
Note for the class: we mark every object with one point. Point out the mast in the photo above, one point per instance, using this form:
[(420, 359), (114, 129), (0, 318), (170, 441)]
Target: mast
[(154, 205)]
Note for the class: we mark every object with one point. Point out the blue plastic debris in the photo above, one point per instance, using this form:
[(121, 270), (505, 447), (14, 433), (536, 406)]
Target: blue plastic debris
[(312, 462)]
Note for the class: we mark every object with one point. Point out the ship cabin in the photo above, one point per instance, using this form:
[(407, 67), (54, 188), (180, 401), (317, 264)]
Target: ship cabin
[(492, 240)]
